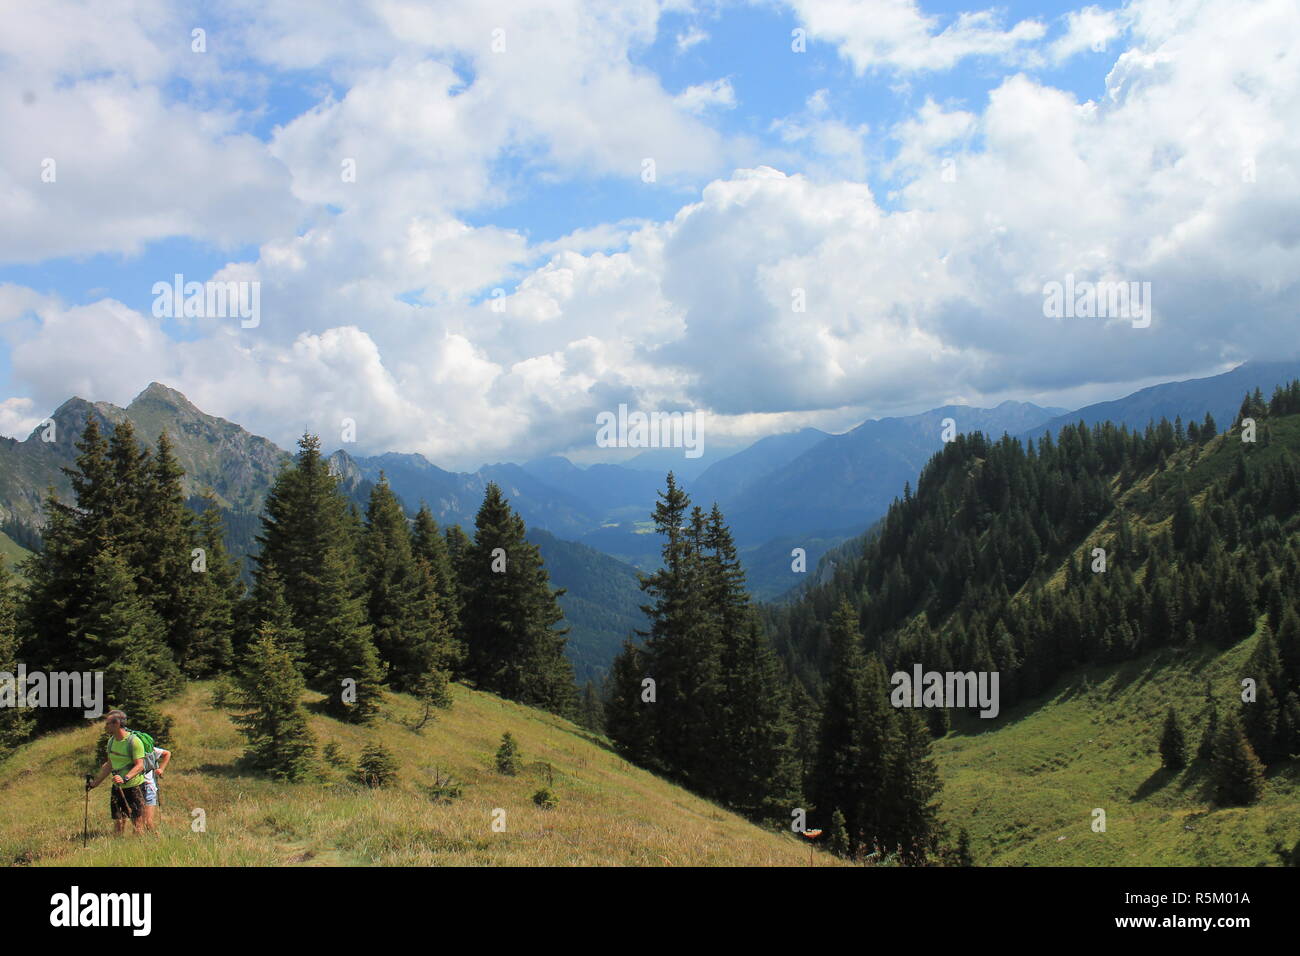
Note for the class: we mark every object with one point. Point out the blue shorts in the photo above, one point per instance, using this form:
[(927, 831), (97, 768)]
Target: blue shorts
[(150, 794)]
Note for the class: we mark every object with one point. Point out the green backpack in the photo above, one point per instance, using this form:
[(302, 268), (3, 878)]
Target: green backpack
[(146, 741)]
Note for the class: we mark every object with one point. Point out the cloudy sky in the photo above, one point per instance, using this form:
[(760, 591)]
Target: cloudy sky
[(475, 225)]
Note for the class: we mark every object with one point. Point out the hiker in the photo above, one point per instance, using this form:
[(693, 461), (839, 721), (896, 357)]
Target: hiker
[(161, 758), (126, 763)]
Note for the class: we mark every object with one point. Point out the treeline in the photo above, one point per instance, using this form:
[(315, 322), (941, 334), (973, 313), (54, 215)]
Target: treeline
[(133, 583), (963, 575), (703, 699)]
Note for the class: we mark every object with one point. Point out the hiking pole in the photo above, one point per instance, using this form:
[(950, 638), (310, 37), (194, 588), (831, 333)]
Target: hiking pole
[(85, 826)]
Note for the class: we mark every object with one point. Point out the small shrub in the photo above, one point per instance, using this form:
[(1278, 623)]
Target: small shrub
[(545, 799), (445, 789)]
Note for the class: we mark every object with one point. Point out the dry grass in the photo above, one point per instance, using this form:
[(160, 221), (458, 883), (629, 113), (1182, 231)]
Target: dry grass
[(609, 812)]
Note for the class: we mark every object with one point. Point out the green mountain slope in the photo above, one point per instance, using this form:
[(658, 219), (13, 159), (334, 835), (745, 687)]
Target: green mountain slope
[(1107, 577), (608, 812), (1026, 788), (602, 601)]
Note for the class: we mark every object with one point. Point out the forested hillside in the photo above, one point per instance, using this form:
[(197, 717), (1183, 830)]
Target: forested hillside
[(1092, 548)]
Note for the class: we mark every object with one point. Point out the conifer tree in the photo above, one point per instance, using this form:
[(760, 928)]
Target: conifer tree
[(683, 646), (912, 788), (129, 518), (507, 758), (1262, 717), (308, 538), (756, 765), (1237, 772), (433, 691), (1205, 751), (839, 842), (280, 741), (59, 575), (429, 545), (402, 602), (207, 647), (163, 558), (266, 607), (590, 710), (1173, 743), (513, 647), (16, 723), (377, 767), (856, 738), (458, 545), (349, 670), (120, 634), (629, 720)]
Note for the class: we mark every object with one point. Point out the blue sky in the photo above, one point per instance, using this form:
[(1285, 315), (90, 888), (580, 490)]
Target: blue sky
[(1103, 140)]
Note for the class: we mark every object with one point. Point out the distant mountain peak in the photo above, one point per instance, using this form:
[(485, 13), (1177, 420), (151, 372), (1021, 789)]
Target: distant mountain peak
[(158, 392)]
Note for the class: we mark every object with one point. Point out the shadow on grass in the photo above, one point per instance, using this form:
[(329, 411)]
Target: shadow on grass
[(1157, 781)]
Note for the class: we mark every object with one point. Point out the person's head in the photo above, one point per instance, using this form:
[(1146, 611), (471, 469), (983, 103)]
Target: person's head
[(115, 721)]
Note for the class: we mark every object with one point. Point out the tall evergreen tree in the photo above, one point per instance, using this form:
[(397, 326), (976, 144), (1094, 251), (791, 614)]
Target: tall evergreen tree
[(265, 607), (757, 767), (1237, 772), (683, 647), (402, 600), (166, 538), (16, 723), (1173, 743), (120, 634), (856, 736), (629, 720), (429, 545), (207, 647), (308, 538), (509, 620), (912, 791)]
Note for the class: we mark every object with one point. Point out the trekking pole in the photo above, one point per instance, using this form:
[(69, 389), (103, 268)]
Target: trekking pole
[(85, 826)]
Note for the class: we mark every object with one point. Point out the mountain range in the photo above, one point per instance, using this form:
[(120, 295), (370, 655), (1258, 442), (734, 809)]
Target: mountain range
[(805, 489)]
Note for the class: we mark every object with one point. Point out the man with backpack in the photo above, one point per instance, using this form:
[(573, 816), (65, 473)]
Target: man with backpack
[(126, 763)]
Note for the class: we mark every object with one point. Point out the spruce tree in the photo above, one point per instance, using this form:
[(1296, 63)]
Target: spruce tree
[(207, 646), (1173, 743), (629, 720), (120, 634), (429, 545), (856, 738), (591, 712), (912, 791), (266, 607), (507, 758), (1262, 717), (309, 537), (280, 741), (1237, 772), (757, 767), (16, 723), (513, 647), (1209, 736), (683, 646), (402, 601), (377, 767), (348, 668), (59, 575), (167, 537)]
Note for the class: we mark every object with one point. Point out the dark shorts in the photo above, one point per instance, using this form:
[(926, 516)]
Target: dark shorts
[(127, 802)]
